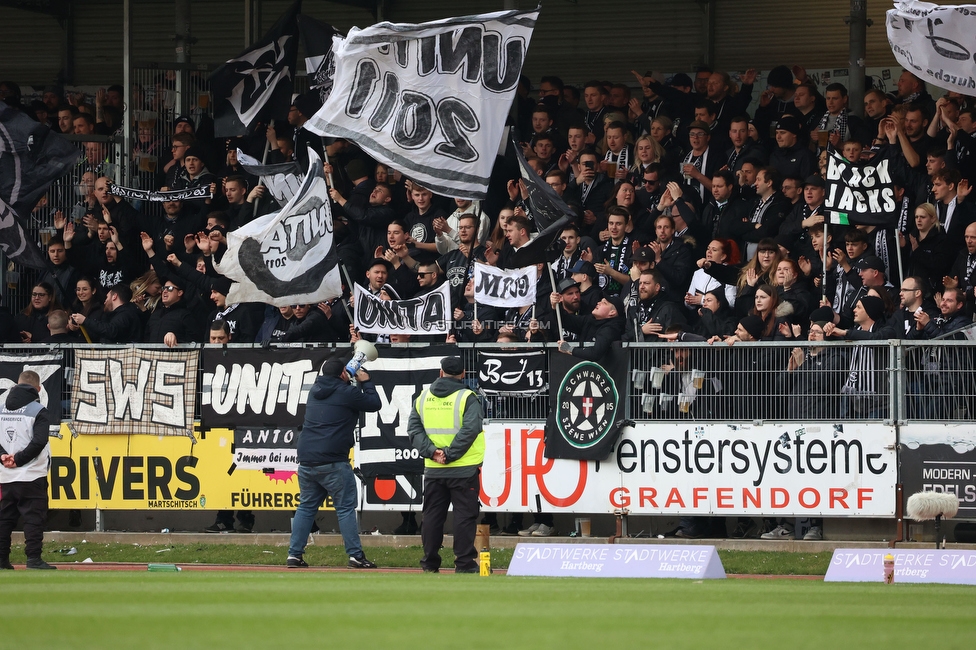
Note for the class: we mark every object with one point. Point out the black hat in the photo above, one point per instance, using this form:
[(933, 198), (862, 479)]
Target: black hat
[(184, 119), (815, 180), (822, 315), (870, 262), (380, 260), (584, 267), (452, 366), (754, 325), (643, 255), (618, 304), (566, 284), (221, 284), (698, 124), (682, 80), (307, 104), (780, 77), (335, 364), (195, 152), (174, 280), (789, 123), (356, 169), (873, 306)]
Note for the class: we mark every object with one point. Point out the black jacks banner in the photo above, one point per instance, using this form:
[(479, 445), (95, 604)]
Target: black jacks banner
[(587, 400), (512, 373), (257, 387), (49, 367), (860, 193), (429, 100), (400, 374), (132, 391)]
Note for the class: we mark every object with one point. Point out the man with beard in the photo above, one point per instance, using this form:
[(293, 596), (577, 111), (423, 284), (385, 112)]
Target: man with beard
[(654, 313), (457, 265), (120, 321)]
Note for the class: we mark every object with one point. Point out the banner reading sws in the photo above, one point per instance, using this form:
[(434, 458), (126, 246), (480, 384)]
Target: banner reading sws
[(133, 391)]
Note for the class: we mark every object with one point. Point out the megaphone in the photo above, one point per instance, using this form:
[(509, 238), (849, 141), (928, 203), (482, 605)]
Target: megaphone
[(363, 351)]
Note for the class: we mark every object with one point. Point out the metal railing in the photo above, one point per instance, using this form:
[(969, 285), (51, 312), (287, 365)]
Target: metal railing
[(932, 381)]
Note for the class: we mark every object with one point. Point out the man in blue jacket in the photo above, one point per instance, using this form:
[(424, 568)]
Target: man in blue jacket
[(331, 415)]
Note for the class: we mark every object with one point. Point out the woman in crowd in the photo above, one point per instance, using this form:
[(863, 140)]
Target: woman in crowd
[(793, 290), (716, 317), (717, 254), (927, 257), (758, 271), (661, 132), (88, 299), (766, 306), (648, 151), (32, 321)]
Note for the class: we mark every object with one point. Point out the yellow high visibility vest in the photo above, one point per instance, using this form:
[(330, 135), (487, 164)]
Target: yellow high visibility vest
[(442, 418)]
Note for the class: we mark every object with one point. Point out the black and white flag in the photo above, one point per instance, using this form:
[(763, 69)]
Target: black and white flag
[(500, 288), (256, 86), (429, 100), (281, 179), (287, 257), (512, 373), (860, 193), (934, 42), (319, 60), (49, 367), (550, 214), (133, 194), (424, 315), (31, 158)]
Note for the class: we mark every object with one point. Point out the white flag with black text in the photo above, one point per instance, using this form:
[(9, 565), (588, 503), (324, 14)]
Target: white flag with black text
[(429, 100), (287, 257), (501, 288)]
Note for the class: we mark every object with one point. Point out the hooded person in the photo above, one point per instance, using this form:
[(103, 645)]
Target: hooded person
[(331, 416)]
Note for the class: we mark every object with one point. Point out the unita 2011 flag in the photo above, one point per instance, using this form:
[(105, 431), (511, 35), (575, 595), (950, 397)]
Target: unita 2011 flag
[(935, 42), (429, 100), (256, 86), (287, 257), (31, 158), (860, 193)]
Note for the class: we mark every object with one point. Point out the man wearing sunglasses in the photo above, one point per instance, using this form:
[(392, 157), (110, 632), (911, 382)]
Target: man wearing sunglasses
[(173, 322)]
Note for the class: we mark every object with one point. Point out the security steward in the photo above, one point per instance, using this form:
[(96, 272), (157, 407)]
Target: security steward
[(26, 458), (446, 428)]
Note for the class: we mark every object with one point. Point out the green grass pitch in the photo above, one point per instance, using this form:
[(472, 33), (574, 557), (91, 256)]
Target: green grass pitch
[(384, 610)]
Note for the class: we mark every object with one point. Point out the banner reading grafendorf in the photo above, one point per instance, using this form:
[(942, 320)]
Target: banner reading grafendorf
[(661, 468), (429, 100), (133, 391)]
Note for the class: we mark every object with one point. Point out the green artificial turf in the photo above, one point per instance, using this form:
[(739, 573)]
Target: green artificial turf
[(360, 609)]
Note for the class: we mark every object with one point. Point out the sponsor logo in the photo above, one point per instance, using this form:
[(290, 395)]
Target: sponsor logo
[(586, 404)]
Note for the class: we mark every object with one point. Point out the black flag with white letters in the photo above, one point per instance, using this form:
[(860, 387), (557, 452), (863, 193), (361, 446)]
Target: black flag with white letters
[(256, 86), (860, 193), (550, 214), (319, 60), (31, 158)]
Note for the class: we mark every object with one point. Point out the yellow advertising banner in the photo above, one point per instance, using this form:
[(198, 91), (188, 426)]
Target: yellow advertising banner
[(140, 472)]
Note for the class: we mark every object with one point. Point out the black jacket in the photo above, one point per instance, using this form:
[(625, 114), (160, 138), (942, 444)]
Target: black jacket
[(601, 333), (177, 319), (331, 415), (121, 325)]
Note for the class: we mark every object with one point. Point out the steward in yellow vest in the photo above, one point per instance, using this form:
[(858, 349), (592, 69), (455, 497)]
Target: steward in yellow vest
[(445, 426)]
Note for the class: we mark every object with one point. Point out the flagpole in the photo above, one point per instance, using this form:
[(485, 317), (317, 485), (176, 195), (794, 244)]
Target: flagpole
[(559, 316), (325, 155), (901, 270), (823, 282), (264, 161)]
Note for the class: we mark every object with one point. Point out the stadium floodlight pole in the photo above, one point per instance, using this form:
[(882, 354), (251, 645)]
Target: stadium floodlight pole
[(858, 23)]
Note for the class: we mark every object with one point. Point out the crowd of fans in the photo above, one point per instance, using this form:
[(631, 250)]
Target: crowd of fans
[(693, 220)]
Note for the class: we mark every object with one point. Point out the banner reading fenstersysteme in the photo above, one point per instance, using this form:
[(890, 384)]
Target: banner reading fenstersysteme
[(787, 470)]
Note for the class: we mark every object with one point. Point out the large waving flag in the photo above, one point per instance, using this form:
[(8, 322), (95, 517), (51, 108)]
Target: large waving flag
[(319, 60), (429, 100), (256, 86), (31, 158), (287, 257)]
